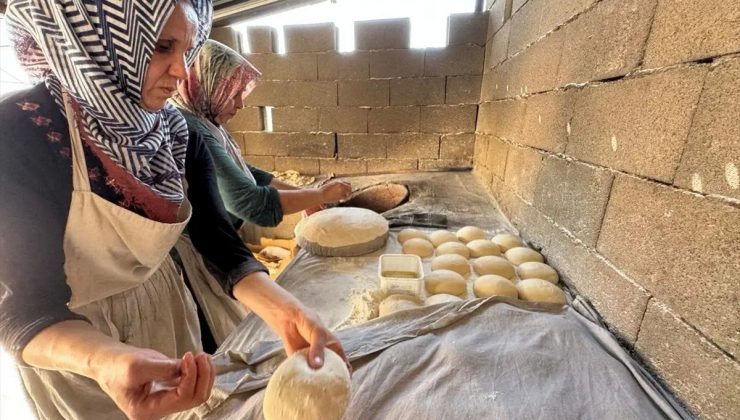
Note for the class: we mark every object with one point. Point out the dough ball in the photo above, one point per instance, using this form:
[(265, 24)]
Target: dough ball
[(453, 248), (407, 234), (438, 237), (521, 254), (296, 391), (441, 298), (483, 247), (493, 265), (538, 290), (395, 303), (506, 241), (470, 233), (342, 232), (452, 262), (446, 281), (493, 285), (418, 246), (537, 270)]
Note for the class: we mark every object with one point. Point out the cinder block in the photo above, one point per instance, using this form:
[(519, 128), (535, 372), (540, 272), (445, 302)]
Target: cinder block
[(711, 160), (497, 47), (535, 69), (486, 119), (266, 163), (343, 119), (503, 77), (364, 92), (546, 120), (496, 157), (557, 13), (418, 146), (289, 144), (637, 125), (702, 376), (574, 195), (343, 166), (316, 37), (682, 32), (291, 119), (306, 166), (247, 119), (444, 164), (395, 119), (418, 91), (522, 170), (227, 36), (335, 66), (457, 147), (448, 119), (361, 146), (452, 61), (262, 39), (467, 28), (391, 165), (606, 41), (516, 5), (384, 34), (463, 90), (684, 248), (298, 66), (525, 26), (504, 119), (480, 149), (273, 93), (396, 63), (497, 15)]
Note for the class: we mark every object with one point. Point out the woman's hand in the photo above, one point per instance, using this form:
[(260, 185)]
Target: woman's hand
[(335, 191), (302, 329), (147, 385)]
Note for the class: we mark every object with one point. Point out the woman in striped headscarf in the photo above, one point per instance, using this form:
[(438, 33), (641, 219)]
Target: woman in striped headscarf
[(93, 175)]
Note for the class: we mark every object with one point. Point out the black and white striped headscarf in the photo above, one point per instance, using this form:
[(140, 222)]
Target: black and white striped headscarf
[(99, 51)]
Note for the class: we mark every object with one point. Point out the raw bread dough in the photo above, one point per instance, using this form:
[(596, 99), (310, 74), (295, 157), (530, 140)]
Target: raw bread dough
[(453, 248), (506, 241), (446, 281), (492, 264), (418, 246), (296, 391), (407, 234), (441, 298), (343, 232), (483, 247), (452, 262), (470, 233), (438, 237), (521, 254), (538, 290), (493, 285), (537, 270), (395, 303)]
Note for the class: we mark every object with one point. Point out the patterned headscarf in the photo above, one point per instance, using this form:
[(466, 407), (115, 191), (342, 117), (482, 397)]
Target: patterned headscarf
[(219, 74), (100, 52)]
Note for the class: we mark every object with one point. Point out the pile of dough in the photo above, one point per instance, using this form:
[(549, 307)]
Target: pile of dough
[(493, 285), (538, 290), (438, 237), (520, 255), (452, 262), (483, 247), (506, 241), (537, 270), (493, 265), (296, 391), (395, 303), (441, 298), (343, 232), (418, 246), (446, 281), (470, 233), (453, 248), (407, 234)]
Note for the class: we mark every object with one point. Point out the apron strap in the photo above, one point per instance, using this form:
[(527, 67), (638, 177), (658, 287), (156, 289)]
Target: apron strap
[(80, 179)]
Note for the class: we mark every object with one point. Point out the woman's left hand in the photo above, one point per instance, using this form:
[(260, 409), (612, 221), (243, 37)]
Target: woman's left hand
[(305, 329)]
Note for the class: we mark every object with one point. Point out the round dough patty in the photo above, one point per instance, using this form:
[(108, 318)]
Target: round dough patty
[(445, 281), (453, 248), (452, 262), (493, 285), (407, 234), (506, 241), (418, 246), (441, 298), (520, 255), (395, 303), (470, 233), (343, 232), (493, 265), (483, 247), (438, 237), (537, 270), (538, 290)]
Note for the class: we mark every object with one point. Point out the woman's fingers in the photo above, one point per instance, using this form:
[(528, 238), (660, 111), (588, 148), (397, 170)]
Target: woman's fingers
[(316, 348), (186, 389), (204, 381)]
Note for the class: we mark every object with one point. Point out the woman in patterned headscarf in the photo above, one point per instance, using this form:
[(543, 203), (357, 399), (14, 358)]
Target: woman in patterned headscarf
[(91, 176)]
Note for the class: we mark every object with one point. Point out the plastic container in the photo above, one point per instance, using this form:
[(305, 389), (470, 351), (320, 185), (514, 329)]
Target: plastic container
[(401, 263)]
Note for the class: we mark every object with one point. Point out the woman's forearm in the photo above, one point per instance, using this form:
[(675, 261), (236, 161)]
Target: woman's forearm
[(293, 201), (268, 300), (281, 185)]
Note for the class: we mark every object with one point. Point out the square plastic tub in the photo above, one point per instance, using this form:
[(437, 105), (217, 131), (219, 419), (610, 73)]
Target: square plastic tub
[(401, 263)]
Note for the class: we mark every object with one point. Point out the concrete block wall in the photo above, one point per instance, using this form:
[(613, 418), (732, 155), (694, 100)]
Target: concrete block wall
[(608, 132), (382, 108)]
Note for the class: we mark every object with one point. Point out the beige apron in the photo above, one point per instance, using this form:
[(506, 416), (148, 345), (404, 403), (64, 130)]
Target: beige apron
[(123, 281)]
